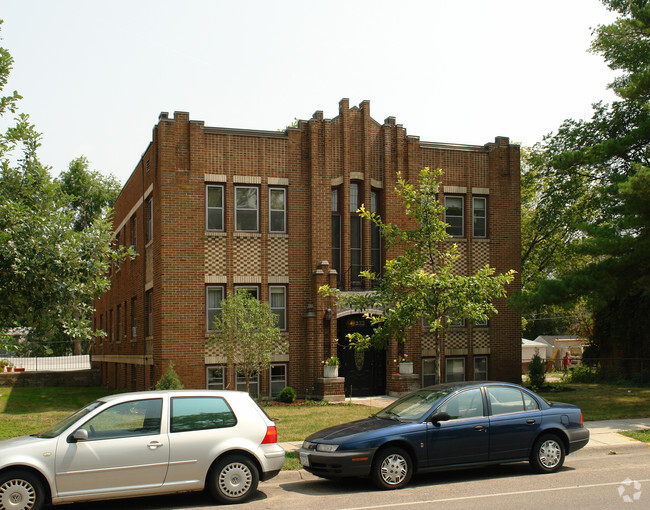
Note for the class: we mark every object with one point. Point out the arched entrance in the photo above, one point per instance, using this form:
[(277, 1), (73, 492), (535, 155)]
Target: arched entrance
[(364, 371)]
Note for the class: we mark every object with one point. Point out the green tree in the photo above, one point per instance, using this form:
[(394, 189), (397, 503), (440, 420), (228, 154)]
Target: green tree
[(247, 330), (50, 272), (421, 282), (592, 187), (169, 380), (90, 193)]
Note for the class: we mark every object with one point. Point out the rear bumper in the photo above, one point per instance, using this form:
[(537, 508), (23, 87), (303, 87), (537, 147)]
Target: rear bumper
[(271, 458), (578, 438), (336, 464)]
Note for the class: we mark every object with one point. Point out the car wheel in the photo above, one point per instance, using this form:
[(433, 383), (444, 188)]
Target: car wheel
[(20, 490), (548, 454), (392, 468), (233, 479)]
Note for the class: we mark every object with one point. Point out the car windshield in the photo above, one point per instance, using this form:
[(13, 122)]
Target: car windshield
[(415, 406), (56, 429)]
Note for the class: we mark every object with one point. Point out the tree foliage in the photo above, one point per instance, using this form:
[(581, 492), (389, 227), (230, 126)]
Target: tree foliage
[(169, 380), (247, 330), (585, 218), (51, 264), (421, 283)]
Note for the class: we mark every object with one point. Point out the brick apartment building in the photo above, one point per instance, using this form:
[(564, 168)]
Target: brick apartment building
[(209, 210)]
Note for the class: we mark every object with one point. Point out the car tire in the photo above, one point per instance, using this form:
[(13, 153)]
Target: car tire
[(21, 490), (392, 468), (233, 479), (548, 454)]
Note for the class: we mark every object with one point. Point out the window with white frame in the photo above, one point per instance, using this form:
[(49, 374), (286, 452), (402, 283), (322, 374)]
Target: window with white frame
[(214, 207), (216, 377), (148, 302), (214, 295), (455, 369), (429, 371), (278, 304), (480, 368), (253, 384), (479, 217), (454, 215), (148, 214), (278, 378), (246, 209), (277, 210)]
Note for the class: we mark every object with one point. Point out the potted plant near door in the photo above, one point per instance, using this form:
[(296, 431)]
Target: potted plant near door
[(331, 367), (3, 364)]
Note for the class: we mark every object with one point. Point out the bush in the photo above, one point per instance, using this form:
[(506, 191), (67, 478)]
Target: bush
[(169, 380), (584, 374), (536, 372), (287, 395)]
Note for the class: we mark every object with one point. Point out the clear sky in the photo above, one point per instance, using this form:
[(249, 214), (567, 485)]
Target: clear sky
[(96, 74)]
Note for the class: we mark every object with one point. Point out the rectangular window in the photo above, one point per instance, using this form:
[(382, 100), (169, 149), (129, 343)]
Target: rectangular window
[(246, 209), (428, 371), (148, 214), (455, 369), (111, 330), (253, 384), (200, 413), (278, 304), (375, 236), (354, 197), (336, 232), (118, 321), (134, 232), (216, 377), (125, 330), (480, 368), (214, 295), (355, 248), (278, 379), (454, 215), (479, 225), (214, 207), (149, 313), (134, 318), (277, 210)]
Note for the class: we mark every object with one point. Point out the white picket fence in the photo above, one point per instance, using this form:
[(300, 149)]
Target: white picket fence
[(54, 363)]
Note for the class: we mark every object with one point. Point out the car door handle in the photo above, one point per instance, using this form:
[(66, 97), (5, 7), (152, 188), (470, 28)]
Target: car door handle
[(530, 421), (479, 427), (154, 444)]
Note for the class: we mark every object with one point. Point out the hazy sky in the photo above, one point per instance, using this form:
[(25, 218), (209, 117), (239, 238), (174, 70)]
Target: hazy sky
[(95, 75)]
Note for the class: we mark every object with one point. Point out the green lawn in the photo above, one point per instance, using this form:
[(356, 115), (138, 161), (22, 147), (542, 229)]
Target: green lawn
[(639, 435)]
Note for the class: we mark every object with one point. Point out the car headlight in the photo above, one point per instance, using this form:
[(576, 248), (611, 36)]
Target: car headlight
[(307, 445), (327, 447)]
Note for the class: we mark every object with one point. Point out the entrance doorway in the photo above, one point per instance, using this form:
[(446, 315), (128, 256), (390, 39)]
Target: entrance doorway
[(364, 371)]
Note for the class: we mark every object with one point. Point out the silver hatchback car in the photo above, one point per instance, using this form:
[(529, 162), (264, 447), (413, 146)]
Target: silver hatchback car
[(137, 444)]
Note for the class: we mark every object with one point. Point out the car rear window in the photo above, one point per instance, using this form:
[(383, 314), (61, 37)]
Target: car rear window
[(200, 413)]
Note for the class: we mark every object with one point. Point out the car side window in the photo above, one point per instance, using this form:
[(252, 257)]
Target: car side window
[(529, 402), (504, 400), (200, 413), (467, 404), (134, 418)]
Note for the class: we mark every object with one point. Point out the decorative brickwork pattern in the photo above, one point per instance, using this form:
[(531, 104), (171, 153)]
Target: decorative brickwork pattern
[(456, 340), (480, 255), (215, 255), (481, 339), (428, 341), (247, 256), (460, 264), (278, 255)]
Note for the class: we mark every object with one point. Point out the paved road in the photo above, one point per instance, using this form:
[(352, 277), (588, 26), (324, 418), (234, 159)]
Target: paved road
[(590, 479)]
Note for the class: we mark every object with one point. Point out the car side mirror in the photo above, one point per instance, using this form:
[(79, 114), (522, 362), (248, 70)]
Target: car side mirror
[(438, 417), (79, 435)]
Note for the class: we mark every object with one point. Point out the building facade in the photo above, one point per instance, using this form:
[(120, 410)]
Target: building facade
[(210, 210)]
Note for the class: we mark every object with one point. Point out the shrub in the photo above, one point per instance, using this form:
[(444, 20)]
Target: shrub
[(287, 395), (169, 380), (536, 372), (584, 374)]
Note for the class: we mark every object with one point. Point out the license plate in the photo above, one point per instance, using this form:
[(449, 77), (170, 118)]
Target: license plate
[(304, 459)]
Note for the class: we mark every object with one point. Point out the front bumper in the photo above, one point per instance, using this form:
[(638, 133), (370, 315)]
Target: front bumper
[(336, 464), (578, 438)]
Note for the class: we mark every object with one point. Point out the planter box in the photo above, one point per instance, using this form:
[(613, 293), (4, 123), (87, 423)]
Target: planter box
[(329, 371), (406, 368)]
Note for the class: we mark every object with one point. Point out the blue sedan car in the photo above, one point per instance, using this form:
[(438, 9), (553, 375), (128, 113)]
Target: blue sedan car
[(444, 426)]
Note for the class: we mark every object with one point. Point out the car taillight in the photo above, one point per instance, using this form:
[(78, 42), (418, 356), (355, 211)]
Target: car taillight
[(582, 420), (271, 435)]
